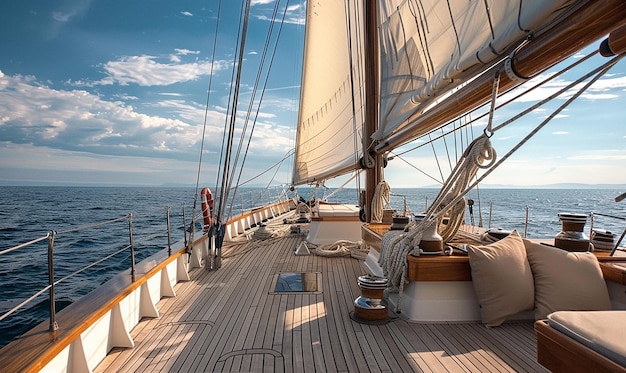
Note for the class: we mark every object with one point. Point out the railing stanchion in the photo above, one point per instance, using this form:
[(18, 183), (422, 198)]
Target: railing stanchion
[(53, 323), (169, 233), (132, 246), (185, 227), (526, 222)]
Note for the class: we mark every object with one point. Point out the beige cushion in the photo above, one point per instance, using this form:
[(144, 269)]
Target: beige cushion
[(502, 279), (601, 331), (566, 281)]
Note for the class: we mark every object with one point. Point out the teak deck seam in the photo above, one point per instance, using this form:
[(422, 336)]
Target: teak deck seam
[(230, 319)]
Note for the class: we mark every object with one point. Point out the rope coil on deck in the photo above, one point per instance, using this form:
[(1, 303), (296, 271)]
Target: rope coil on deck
[(343, 248)]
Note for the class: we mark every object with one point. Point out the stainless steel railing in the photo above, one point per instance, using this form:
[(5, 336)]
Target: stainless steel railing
[(52, 235)]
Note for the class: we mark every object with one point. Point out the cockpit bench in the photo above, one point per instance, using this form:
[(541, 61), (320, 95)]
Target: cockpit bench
[(582, 341)]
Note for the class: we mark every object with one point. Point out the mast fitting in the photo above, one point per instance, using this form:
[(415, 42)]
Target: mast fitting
[(511, 72), (367, 162)]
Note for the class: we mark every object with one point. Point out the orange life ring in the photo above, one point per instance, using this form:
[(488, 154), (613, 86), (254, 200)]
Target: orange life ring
[(207, 206)]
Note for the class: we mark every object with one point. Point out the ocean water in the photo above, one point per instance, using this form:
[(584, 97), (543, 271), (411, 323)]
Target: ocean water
[(28, 213)]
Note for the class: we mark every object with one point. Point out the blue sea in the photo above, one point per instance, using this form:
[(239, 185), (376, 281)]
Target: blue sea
[(28, 213)]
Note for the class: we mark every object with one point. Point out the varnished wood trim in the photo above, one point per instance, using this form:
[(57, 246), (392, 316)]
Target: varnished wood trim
[(32, 351), (439, 268), (371, 234), (603, 257), (617, 40), (457, 267), (614, 273), (559, 353), (376, 230)]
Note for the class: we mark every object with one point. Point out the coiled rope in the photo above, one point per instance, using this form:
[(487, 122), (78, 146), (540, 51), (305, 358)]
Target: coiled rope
[(381, 198), (343, 248), (265, 232), (396, 247)]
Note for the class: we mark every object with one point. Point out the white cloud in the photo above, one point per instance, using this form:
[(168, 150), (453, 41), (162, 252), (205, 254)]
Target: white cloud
[(293, 8), (184, 52), (295, 14), (261, 2), (191, 112), (188, 14), (598, 91), (78, 119), (146, 71), (125, 97), (62, 17)]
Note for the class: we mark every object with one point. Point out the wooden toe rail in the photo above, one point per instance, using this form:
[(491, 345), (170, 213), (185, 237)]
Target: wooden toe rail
[(560, 353), (39, 347)]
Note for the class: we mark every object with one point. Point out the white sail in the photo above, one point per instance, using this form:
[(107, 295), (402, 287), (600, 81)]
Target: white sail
[(429, 47), (331, 104), (427, 50)]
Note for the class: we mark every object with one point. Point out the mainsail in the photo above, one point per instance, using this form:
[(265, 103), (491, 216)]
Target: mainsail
[(431, 46), (431, 52)]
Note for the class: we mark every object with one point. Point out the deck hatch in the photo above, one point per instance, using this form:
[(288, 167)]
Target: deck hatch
[(298, 282)]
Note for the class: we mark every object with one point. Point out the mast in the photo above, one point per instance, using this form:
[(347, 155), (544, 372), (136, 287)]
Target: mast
[(373, 171)]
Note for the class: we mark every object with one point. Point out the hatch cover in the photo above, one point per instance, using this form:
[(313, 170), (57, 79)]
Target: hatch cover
[(298, 282)]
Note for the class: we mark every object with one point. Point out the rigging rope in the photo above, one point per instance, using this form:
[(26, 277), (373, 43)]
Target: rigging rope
[(395, 247), (277, 164), (206, 107), (492, 109), (204, 126), (505, 103), (229, 125), (352, 85), (337, 190), (254, 92), (382, 195)]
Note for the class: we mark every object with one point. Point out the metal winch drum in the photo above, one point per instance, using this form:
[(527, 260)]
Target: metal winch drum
[(369, 306), (572, 237)]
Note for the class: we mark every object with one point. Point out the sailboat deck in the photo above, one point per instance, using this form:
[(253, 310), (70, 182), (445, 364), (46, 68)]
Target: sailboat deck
[(232, 320)]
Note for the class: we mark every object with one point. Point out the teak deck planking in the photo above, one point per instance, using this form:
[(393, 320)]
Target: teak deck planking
[(231, 320)]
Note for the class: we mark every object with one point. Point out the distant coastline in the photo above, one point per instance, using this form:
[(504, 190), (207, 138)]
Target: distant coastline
[(546, 186), (173, 185)]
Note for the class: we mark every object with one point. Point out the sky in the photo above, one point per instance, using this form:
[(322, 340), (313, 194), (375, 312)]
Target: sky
[(114, 93)]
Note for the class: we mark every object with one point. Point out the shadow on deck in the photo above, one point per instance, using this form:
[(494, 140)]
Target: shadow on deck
[(231, 320)]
